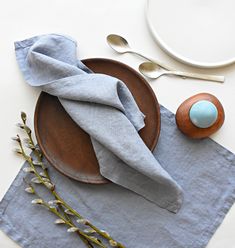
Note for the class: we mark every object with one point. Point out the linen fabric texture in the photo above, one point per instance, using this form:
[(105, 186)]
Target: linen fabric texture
[(104, 107)]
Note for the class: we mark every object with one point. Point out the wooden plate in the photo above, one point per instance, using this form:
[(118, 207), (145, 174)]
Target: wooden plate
[(67, 147)]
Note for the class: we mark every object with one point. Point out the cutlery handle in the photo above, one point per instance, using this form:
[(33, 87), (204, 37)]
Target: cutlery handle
[(162, 65), (214, 78)]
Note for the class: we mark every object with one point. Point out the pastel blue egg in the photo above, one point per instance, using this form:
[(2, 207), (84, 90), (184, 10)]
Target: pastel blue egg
[(203, 114)]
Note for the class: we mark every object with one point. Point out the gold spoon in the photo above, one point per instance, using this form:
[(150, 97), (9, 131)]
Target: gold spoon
[(120, 45), (152, 70)]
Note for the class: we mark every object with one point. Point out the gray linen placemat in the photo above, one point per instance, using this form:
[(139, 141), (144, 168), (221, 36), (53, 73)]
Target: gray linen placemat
[(205, 170)]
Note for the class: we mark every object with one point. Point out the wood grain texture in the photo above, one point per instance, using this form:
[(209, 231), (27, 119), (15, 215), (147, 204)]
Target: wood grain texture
[(187, 127), (67, 147)]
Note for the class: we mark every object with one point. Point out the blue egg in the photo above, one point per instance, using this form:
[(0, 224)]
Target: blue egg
[(203, 114)]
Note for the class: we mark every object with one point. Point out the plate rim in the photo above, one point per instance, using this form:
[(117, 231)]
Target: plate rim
[(176, 55), (104, 180)]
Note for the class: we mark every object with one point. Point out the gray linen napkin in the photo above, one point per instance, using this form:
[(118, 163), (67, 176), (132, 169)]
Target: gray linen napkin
[(105, 109), (205, 170)]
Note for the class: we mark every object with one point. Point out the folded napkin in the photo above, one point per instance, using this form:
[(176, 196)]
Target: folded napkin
[(103, 106), (206, 172)]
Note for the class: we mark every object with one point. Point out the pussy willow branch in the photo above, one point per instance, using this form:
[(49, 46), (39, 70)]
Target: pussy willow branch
[(53, 210), (67, 220), (46, 181)]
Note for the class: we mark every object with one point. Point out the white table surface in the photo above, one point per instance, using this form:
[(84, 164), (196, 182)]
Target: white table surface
[(90, 21)]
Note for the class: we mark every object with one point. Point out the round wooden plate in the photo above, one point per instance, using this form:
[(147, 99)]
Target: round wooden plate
[(67, 147)]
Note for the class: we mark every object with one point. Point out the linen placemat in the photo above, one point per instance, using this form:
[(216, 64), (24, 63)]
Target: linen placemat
[(205, 169)]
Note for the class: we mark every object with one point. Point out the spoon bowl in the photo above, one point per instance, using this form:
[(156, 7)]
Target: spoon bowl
[(118, 43), (150, 70)]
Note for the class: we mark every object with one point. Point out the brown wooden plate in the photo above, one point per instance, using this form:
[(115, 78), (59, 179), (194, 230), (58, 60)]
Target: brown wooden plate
[(67, 147)]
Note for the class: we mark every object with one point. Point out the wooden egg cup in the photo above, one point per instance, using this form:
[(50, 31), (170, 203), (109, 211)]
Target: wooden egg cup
[(187, 127)]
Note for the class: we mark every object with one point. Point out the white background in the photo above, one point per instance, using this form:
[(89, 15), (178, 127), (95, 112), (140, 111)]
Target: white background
[(89, 22)]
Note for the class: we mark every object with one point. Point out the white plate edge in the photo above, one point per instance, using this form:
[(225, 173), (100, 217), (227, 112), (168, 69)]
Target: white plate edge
[(177, 56)]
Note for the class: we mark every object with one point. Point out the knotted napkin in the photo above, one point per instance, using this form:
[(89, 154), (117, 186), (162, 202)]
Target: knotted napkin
[(103, 106)]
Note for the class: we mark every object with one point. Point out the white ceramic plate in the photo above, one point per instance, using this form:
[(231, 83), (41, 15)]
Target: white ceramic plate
[(197, 32)]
